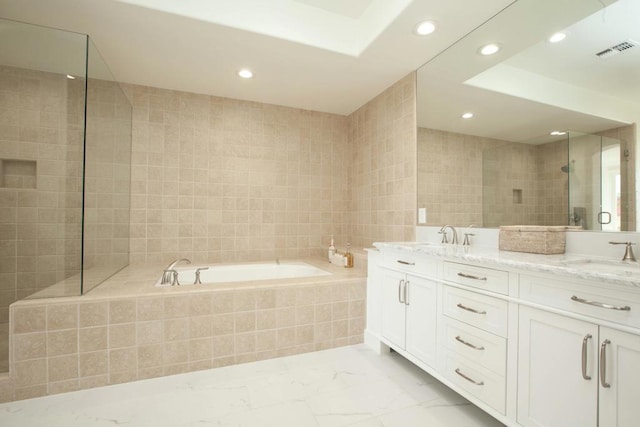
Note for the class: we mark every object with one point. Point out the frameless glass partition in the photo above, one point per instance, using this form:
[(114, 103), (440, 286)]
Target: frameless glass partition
[(107, 175), (65, 150)]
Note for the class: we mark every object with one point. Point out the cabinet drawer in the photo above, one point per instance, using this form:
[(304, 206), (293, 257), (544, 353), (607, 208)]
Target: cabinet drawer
[(485, 349), (477, 277), (612, 304), (411, 262), (480, 382), (487, 313)]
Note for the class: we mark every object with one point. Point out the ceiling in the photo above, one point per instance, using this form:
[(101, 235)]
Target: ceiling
[(533, 87), (323, 55)]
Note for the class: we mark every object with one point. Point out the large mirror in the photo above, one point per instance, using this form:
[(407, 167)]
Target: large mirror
[(552, 139)]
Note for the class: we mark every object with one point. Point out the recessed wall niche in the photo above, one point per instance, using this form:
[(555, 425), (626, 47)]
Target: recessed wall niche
[(17, 173)]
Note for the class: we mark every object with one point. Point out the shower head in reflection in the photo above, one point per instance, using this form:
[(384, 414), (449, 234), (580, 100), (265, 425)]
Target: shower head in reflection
[(568, 168)]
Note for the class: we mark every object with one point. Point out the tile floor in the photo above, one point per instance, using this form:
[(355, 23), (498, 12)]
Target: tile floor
[(347, 386)]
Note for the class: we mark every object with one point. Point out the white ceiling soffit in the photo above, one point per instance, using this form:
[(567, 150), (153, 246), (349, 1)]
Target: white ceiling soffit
[(149, 47), (311, 23), (570, 75)]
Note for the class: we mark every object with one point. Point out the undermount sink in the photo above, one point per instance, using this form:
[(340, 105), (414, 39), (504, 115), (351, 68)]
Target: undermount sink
[(605, 266)]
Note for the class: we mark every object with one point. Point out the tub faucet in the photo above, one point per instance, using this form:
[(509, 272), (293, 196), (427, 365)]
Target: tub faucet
[(170, 275), (454, 234)]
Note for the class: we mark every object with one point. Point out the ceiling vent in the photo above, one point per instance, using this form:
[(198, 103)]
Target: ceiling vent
[(614, 50)]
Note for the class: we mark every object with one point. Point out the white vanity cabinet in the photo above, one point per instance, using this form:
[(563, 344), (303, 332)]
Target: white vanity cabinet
[(574, 372), (533, 349), (409, 314)]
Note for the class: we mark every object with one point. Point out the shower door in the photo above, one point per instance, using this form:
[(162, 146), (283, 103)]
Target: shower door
[(594, 182)]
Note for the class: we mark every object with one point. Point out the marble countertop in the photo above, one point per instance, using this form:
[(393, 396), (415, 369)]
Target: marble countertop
[(577, 266)]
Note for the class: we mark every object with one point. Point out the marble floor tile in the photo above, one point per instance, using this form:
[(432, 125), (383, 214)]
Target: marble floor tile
[(347, 386)]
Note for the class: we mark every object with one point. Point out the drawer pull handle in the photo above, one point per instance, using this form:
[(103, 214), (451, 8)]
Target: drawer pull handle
[(467, 378), (473, 310), (603, 364), (600, 304), (468, 344), (469, 276), (406, 292), (584, 356), (405, 262)]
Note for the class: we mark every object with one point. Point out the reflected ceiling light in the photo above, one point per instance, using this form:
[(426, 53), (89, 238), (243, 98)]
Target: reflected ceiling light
[(489, 49), (467, 115), (425, 28), (70, 77), (557, 133), (245, 73), (557, 37)]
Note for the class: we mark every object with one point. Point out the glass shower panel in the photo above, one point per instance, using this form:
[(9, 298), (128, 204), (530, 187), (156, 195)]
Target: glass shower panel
[(595, 194), (584, 180), (107, 175), (42, 93)]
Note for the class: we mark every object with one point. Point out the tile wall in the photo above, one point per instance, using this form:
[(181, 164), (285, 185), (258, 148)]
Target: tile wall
[(465, 179), (221, 180), (41, 122), (85, 342), (382, 185)]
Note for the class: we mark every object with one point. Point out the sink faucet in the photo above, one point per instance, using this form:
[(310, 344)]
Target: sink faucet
[(454, 234), (628, 252), (169, 274)]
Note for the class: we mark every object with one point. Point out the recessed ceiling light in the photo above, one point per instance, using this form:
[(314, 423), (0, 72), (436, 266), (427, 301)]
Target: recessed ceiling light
[(489, 49), (245, 73), (557, 37), (467, 115), (70, 77), (557, 133), (425, 28)]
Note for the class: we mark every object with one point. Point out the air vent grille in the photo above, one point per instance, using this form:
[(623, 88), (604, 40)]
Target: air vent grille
[(614, 50)]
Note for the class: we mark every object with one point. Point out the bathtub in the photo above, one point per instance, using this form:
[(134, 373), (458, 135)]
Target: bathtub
[(245, 272)]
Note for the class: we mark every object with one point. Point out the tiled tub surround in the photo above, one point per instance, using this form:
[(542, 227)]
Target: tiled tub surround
[(127, 329)]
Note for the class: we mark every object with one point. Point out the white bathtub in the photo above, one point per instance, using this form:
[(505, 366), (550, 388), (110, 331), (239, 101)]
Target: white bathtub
[(245, 272)]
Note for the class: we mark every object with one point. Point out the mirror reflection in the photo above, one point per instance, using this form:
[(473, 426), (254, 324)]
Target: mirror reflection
[(543, 131)]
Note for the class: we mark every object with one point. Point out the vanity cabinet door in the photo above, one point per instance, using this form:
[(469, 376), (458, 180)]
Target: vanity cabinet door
[(620, 381), (554, 389), (421, 302), (393, 307)]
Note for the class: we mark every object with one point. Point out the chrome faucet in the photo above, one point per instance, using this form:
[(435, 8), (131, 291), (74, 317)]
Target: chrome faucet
[(170, 275), (454, 234), (628, 252)]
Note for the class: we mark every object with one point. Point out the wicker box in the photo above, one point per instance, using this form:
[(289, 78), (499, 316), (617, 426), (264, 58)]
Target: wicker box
[(534, 239)]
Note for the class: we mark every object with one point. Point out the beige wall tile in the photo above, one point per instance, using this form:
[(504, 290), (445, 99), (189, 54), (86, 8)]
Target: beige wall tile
[(94, 363), (93, 314), (122, 359), (62, 342), (92, 339), (122, 311), (29, 346), (29, 319), (150, 308), (149, 356), (122, 335), (62, 367), (149, 332)]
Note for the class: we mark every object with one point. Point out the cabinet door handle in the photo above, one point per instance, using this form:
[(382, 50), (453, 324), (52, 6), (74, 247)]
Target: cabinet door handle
[(469, 276), (400, 291), (600, 304), (468, 344), (467, 378), (406, 262), (406, 292), (584, 356), (473, 310), (603, 364)]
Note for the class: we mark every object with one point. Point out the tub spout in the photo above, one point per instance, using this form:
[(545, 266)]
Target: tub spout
[(170, 275)]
